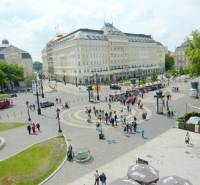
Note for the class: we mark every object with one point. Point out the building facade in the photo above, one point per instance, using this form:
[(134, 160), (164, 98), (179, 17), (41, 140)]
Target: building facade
[(108, 53), (14, 55), (180, 59)]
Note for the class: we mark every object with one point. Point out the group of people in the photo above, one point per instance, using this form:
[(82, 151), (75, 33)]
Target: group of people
[(99, 178), (131, 126), (33, 128)]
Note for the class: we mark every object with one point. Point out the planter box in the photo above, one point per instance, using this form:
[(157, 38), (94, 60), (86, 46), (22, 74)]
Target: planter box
[(181, 125)]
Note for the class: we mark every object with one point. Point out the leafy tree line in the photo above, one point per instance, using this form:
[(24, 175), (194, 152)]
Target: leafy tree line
[(10, 74), (193, 53)]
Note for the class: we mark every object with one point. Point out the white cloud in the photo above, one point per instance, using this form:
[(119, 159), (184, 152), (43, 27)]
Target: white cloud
[(29, 24)]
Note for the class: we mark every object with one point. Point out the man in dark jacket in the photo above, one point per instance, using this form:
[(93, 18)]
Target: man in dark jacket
[(103, 179), (29, 129)]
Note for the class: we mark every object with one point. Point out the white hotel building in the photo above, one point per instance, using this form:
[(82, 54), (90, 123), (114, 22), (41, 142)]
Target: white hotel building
[(109, 53)]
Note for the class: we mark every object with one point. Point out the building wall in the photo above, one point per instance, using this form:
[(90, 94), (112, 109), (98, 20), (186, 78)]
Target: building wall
[(15, 58), (181, 60), (111, 59)]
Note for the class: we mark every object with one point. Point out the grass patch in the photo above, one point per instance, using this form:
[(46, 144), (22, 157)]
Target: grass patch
[(34, 164), (10, 125), (4, 96)]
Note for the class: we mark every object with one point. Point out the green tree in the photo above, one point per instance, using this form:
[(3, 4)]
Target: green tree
[(28, 80), (154, 77), (193, 53), (10, 74), (37, 66), (169, 62)]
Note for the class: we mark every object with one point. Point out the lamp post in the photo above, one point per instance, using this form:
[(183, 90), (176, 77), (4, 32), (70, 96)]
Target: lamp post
[(38, 102), (42, 87), (76, 81), (58, 117), (64, 78), (27, 104), (97, 88)]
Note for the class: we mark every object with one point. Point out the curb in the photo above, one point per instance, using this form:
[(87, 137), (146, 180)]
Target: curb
[(25, 148), (53, 173), (2, 142), (58, 168)]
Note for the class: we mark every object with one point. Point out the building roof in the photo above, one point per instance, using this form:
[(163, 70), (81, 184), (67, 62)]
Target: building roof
[(11, 48), (103, 34)]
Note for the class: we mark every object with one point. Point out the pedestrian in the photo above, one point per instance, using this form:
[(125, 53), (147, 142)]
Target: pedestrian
[(135, 126), (112, 122), (109, 106), (96, 176), (70, 153), (33, 128), (57, 100), (38, 126), (142, 132), (115, 117), (168, 113), (106, 117), (187, 138), (33, 106), (29, 129), (103, 178), (130, 127)]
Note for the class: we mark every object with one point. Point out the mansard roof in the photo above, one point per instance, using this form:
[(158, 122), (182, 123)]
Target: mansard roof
[(103, 34), (12, 48)]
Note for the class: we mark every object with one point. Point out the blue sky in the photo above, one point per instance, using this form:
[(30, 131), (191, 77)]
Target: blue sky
[(30, 24)]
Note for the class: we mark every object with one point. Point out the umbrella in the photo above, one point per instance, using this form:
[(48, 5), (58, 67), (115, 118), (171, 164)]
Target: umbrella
[(124, 182), (194, 120), (143, 173), (173, 180)]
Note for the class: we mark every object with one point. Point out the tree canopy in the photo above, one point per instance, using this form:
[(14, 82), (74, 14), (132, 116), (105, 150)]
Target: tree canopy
[(37, 66), (10, 73), (169, 62), (193, 53)]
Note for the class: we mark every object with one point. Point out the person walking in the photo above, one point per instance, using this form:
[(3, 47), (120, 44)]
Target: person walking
[(34, 107), (109, 106), (96, 177), (106, 118), (103, 178), (187, 138), (70, 153), (33, 128), (135, 126), (142, 132), (29, 129), (113, 122), (38, 126), (115, 117)]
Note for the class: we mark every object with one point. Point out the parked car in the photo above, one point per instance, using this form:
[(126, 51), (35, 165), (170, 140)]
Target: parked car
[(46, 104), (115, 87)]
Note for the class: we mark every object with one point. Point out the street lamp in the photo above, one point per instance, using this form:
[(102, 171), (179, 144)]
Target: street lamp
[(58, 117), (42, 87), (38, 102), (27, 104), (64, 78)]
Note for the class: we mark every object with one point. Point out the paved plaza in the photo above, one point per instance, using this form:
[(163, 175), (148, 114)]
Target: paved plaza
[(118, 147)]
